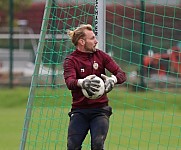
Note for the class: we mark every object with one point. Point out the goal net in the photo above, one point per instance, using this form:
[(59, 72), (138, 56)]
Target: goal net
[(143, 37)]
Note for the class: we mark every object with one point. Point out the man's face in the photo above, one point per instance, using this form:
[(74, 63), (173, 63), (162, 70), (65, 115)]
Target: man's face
[(90, 41)]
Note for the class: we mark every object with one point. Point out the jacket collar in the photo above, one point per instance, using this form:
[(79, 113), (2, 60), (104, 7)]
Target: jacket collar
[(83, 53)]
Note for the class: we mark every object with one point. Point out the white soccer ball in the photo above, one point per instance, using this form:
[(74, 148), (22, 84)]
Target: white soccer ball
[(97, 94)]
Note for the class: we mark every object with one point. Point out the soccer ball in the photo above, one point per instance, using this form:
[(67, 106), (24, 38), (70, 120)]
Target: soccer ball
[(97, 94)]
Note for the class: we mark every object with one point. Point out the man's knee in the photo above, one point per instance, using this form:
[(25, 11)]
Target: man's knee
[(98, 143), (73, 144)]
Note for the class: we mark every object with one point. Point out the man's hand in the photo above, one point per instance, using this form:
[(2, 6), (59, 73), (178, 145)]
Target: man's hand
[(90, 84), (109, 82)]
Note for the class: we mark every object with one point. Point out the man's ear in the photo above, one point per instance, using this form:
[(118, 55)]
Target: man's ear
[(82, 41)]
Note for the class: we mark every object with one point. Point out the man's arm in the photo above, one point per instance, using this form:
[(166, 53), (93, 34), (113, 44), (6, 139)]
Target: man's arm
[(114, 68), (70, 74)]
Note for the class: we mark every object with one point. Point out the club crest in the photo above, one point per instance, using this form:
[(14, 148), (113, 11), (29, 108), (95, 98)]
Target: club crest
[(95, 65)]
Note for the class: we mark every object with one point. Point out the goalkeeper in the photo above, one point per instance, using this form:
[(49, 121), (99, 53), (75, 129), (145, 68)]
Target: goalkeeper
[(87, 114)]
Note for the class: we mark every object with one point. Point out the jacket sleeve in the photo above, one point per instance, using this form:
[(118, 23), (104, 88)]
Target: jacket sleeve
[(114, 68), (70, 74)]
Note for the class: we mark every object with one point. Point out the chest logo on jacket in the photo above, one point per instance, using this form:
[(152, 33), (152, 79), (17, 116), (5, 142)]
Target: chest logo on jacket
[(95, 65), (82, 70)]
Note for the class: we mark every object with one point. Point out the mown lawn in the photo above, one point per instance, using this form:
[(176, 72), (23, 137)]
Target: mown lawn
[(12, 112), (11, 127), (140, 120)]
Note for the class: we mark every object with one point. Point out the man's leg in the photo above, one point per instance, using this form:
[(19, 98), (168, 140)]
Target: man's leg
[(77, 131), (99, 128)]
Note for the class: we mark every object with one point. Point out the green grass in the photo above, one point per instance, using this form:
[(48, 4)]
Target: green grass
[(11, 127), (15, 97), (140, 120), (12, 113)]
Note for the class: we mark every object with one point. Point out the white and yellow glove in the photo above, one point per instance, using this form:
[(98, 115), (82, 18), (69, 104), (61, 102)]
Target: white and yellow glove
[(109, 82), (90, 84)]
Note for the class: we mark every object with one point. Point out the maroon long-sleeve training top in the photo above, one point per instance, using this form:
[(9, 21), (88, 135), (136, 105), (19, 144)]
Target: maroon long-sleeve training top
[(79, 65)]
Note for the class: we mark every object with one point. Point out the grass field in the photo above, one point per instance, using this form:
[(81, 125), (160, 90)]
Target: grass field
[(11, 127), (140, 120), (12, 112)]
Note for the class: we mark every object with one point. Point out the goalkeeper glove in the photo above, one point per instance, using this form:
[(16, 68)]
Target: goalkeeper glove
[(109, 82), (90, 84)]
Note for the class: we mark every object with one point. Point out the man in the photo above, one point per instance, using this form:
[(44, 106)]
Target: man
[(87, 114)]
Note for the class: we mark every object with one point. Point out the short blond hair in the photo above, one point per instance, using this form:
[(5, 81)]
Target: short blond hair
[(78, 33)]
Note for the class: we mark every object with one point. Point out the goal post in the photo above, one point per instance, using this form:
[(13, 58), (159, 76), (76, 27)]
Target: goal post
[(147, 119), (99, 28), (36, 72), (100, 23)]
